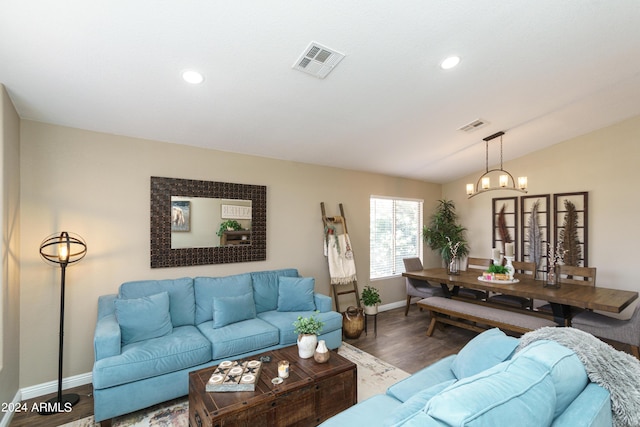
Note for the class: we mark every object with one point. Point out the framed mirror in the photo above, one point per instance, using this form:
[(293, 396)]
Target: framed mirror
[(247, 203)]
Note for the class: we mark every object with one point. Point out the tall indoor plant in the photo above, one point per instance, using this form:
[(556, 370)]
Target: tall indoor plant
[(444, 233)]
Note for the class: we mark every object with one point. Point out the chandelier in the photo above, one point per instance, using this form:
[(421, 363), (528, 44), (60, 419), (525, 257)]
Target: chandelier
[(505, 179)]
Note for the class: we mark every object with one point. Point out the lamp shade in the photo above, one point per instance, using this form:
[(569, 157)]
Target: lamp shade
[(63, 248)]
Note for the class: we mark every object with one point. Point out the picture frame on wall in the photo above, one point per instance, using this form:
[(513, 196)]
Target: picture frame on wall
[(180, 215)]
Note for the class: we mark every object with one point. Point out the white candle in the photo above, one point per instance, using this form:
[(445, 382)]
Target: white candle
[(283, 369), (496, 254), (508, 249)]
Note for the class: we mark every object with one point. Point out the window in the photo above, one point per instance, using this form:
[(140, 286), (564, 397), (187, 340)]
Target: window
[(395, 233)]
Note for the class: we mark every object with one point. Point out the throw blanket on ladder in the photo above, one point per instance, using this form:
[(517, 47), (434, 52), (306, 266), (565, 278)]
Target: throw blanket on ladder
[(342, 267), (614, 370)]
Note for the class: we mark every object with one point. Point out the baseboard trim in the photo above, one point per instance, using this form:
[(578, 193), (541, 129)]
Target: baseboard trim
[(52, 386), (392, 305), (8, 416)]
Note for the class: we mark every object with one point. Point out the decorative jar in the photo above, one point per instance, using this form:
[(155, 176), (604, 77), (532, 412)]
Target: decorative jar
[(553, 276), (453, 266), (322, 353)]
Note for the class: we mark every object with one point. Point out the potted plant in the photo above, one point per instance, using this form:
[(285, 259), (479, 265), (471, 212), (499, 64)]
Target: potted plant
[(443, 232), (370, 298), (307, 329), (229, 225), (498, 272)]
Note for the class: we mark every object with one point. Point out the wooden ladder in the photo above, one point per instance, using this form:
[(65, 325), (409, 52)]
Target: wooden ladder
[(330, 223)]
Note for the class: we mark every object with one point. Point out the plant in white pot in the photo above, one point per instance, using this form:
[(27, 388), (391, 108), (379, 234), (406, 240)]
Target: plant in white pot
[(370, 298), (307, 329)]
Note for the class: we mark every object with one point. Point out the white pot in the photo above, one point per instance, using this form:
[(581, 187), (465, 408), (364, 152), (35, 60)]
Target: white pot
[(307, 345), (371, 309)]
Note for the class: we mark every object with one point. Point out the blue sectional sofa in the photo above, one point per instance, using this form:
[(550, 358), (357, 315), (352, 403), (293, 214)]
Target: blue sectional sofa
[(489, 384), (151, 334)]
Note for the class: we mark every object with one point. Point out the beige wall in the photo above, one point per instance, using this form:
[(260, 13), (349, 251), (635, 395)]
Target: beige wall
[(10, 221), (604, 163), (97, 185)]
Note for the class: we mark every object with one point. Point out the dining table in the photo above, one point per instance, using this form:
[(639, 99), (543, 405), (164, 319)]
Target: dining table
[(561, 298)]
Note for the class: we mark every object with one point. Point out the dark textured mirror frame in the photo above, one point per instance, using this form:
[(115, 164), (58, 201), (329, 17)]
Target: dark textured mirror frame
[(161, 253)]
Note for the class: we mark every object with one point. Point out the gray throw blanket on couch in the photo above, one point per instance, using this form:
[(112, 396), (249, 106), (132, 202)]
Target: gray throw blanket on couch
[(614, 370)]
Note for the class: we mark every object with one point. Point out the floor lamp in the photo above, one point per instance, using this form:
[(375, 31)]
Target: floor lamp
[(62, 249)]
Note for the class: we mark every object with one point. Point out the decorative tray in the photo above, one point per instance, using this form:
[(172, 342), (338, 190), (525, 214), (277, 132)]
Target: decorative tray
[(235, 376), (506, 282)]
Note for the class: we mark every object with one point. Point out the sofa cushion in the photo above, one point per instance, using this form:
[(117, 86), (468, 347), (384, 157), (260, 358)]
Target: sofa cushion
[(265, 287), (415, 404), (227, 310), (240, 337), (143, 318), (296, 294), (181, 296), (482, 352), (283, 321), (183, 348), (516, 392), (207, 288), (567, 372)]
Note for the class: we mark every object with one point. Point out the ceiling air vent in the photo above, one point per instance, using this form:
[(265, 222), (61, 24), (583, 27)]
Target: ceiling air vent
[(318, 60), (476, 124)]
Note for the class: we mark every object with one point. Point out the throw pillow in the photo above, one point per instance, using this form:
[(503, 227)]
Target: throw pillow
[(228, 310), (296, 294), (484, 351), (143, 318)]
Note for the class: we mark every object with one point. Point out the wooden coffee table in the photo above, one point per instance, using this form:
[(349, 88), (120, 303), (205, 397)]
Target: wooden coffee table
[(313, 393)]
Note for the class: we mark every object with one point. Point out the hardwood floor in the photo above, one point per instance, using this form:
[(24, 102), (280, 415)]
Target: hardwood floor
[(401, 341)]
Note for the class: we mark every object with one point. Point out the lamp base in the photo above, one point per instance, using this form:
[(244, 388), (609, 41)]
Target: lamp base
[(55, 406)]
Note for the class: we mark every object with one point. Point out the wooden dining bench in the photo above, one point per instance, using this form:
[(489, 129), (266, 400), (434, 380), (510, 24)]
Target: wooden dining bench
[(453, 312)]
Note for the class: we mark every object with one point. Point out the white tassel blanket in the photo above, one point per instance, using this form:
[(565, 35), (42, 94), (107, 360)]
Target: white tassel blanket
[(342, 267)]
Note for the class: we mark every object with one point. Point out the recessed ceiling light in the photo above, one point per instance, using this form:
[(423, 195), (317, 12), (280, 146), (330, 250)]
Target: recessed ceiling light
[(192, 77), (450, 62)]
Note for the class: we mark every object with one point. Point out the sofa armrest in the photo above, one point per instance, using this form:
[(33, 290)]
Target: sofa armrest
[(323, 303), (591, 408), (106, 339)]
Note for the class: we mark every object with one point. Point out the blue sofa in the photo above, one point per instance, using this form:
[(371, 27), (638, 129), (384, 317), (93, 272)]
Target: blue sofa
[(151, 334), (489, 384)]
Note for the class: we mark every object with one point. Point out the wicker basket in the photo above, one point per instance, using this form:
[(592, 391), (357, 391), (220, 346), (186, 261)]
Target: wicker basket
[(352, 322)]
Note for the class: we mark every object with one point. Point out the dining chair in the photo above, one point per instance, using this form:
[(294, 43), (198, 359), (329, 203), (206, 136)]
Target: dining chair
[(585, 276), (522, 269), (622, 331), (418, 288), (578, 275), (480, 264)]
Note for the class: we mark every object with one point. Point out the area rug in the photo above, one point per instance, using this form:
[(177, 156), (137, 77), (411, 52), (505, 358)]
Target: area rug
[(374, 376)]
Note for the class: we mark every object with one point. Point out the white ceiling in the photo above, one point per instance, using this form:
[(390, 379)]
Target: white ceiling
[(543, 71)]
